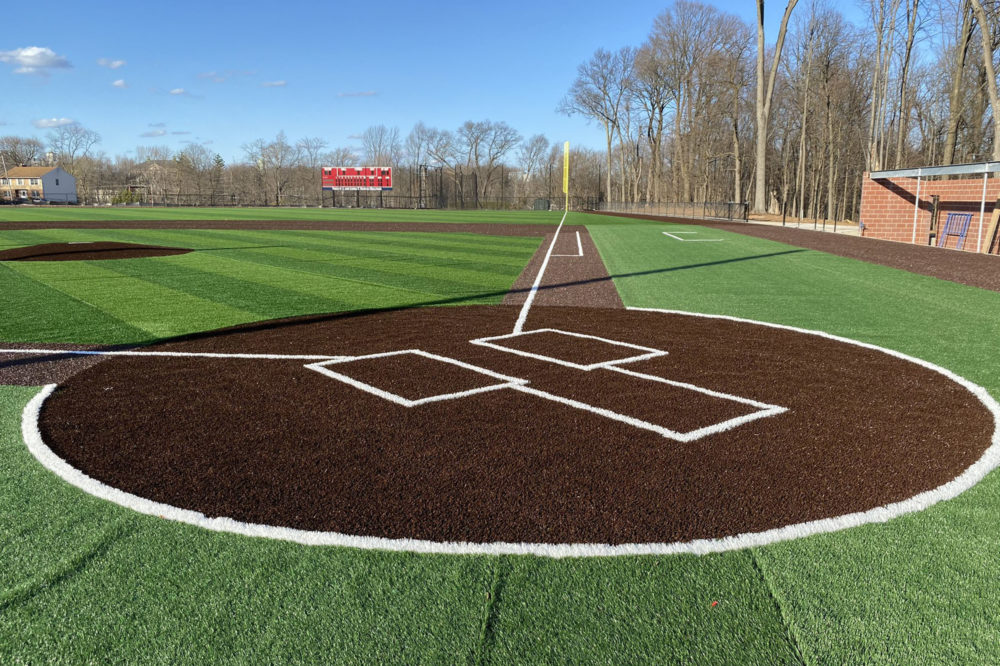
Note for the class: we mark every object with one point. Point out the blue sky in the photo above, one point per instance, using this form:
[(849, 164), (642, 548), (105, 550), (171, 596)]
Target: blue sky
[(225, 73)]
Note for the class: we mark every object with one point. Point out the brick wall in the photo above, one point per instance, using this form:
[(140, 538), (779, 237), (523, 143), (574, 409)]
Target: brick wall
[(887, 207)]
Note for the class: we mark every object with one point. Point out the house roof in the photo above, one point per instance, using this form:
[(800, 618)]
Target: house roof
[(29, 172)]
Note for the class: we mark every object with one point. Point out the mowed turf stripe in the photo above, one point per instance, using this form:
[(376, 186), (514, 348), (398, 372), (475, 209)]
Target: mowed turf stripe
[(357, 271), (256, 296), (412, 247), (157, 310), (36, 312), (410, 272), (354, 294)]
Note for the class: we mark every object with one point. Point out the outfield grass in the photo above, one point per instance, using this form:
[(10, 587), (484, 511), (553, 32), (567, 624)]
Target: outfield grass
[(235, 277), (81, 579), (101, 213)]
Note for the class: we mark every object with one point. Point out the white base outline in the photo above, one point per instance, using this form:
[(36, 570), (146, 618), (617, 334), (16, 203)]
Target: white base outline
[(507, 382), (648, 352), (693, 240), (579, 248), (975, 473)]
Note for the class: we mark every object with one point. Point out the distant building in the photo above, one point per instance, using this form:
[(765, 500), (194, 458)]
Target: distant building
[(44, 183)]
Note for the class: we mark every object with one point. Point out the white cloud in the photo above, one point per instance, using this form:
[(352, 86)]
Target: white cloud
[(178, 91), (120, 83), (34, 60), (222, 77), (362, 93), (180, 133), (110, 64), (49, 123), (273, 84), (157, 124), (154, 133)]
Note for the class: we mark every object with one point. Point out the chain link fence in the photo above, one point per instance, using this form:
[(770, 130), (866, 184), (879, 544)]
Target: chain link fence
[(712, 210)]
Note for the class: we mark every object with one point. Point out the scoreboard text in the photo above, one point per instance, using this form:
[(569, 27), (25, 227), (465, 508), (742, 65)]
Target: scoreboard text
[(357, 178)]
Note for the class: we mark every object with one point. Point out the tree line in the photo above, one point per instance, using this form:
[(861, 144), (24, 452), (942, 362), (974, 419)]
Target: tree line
[(707, 108)]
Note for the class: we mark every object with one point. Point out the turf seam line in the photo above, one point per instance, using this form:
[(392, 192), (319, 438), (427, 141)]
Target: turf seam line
[(790, 633), (64, 569), (488, 615)]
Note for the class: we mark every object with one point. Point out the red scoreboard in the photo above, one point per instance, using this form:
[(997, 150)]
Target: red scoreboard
[(357, 178)]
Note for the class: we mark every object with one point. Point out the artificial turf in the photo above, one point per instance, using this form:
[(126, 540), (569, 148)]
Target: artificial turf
[(83, 580)]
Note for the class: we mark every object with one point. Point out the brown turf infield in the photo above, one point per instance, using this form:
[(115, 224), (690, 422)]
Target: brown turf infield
[(88, 251), (274, 442)]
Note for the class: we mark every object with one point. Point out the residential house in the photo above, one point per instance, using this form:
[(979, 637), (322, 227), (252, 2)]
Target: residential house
[(26, 183)]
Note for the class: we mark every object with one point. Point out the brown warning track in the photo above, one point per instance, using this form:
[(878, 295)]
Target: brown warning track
[(276, 443), (96, 251), (975, 270)]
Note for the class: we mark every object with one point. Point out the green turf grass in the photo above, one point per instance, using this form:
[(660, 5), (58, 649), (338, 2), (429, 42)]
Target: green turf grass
[(98, 213), (243, 276), (84, 580)]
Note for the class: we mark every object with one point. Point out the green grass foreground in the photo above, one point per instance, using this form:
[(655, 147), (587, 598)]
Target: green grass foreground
[(84, 580)]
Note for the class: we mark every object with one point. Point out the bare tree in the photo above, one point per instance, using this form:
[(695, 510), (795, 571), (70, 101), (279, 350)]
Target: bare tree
[(18, 150), (71, 142), (765, 91), (381, 145), (986, 31), (599, 92)]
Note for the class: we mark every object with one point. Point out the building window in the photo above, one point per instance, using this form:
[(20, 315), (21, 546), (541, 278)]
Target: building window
[(34, 194), (20, 181), (34, 181), (57, 182)]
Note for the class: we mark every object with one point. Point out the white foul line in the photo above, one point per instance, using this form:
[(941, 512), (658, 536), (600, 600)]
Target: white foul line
[(519, 325), (692, 240), (579, 248)]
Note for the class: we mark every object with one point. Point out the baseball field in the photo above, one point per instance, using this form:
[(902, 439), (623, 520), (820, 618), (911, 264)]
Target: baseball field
[(363, 436)]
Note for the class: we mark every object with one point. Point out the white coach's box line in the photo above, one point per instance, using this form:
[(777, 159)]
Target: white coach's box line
[(989, 461)]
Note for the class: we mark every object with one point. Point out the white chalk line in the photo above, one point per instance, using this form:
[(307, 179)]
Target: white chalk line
[(506, 382), (692, 240), (648, 352), (579, 248), (519, 324), (989, 461)]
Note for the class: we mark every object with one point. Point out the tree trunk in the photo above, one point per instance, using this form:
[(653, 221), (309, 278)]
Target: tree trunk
[(955, 105), (763, 102), (986, 33)]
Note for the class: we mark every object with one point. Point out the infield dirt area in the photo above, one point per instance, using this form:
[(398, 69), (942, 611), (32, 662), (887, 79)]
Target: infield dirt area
[(277, 443)]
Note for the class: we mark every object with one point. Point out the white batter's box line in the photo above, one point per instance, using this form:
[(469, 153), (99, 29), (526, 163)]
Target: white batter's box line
[(648, 352), (692, 240), (505, 381), (579, 248)]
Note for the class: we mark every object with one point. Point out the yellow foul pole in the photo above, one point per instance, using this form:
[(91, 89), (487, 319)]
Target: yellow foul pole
[(566, 173)]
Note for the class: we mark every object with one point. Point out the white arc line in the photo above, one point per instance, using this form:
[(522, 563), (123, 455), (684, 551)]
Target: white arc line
[(519, 325), (975, 473)]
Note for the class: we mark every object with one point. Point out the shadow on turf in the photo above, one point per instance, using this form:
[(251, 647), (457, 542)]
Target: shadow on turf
[(455, 300)]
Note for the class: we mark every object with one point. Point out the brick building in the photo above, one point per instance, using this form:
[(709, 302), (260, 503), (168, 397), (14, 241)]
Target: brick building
[(892, 209)]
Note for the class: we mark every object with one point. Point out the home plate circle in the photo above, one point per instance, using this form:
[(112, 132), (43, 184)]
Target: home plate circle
[(589, 432)]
